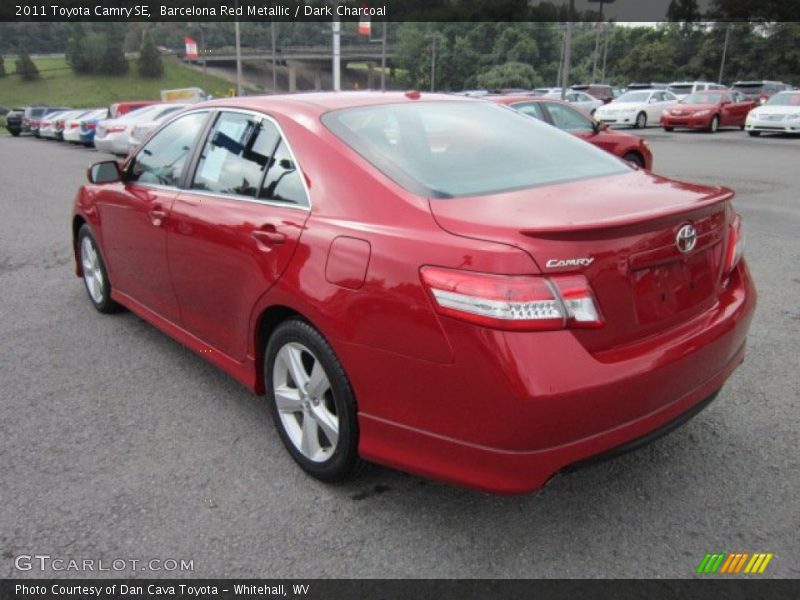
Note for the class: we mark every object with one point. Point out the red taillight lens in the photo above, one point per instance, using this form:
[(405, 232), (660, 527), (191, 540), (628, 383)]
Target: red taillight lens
[(115, 129), (735, 248), (73, 125), (513, 302), (91, 125)]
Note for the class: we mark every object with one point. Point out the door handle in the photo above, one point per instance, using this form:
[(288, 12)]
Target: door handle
[(157, 216), (269, 237)]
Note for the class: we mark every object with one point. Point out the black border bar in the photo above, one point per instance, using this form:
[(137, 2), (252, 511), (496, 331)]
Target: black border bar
[(388, 10)]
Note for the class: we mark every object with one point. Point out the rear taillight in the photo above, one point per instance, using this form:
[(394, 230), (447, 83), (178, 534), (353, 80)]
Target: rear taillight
[(74, 125), (521, 303), (115, 129), (91, 125), (735, 248)]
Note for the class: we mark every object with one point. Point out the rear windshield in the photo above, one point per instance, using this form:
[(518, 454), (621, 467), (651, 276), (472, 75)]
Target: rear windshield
[(703, 98), (785, 99), (450, 149)]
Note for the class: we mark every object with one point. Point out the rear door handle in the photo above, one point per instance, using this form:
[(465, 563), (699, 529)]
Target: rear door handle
[(157, 216), (269, 238)]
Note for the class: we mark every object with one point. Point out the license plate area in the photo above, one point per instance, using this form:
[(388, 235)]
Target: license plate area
[(670, 288)]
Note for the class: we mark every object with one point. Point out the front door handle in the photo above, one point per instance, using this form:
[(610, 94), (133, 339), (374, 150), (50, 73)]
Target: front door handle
[(157, 216), (269, 238)]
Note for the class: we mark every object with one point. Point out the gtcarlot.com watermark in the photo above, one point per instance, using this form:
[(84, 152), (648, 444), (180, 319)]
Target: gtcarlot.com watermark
[(45, 562)]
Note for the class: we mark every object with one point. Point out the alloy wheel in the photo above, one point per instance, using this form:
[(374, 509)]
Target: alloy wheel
[(92, 270)]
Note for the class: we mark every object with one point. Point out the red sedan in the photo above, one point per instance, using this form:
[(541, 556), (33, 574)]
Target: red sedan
[(433, 283), (560, 114), (708, 111)]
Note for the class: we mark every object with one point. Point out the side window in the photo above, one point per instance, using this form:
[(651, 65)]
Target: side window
[(283, 182), (236, 155), (569, 119), (161, 160), (532, 109)]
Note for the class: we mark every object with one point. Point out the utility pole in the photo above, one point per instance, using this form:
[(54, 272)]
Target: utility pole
[(561, 60), (274, 60), (605, 52), (238, 54), (567, 50), (433, 36), (337, 52), (724, 53), (205, 59), (597, 44), (383, 58)]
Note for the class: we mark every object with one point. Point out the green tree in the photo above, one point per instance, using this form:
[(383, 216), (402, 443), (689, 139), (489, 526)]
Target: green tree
[(77, 52), (150, 63), (113, 61), (510, 74), (25, 67)]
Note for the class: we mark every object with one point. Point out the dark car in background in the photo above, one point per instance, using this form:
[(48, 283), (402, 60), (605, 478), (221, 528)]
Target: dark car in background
[(36, 115), (14, 121), (760, 91)]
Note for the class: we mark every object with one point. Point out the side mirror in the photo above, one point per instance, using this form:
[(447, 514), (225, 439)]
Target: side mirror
[(599, 126), (106, 171)]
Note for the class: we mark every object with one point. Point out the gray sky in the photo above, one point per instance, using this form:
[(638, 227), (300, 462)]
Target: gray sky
[(634, 10)]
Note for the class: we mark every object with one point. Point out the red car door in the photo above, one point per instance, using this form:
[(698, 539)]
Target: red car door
[(133, 215), (234, 230)]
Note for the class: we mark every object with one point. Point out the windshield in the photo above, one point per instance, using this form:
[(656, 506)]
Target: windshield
[(681, 88), (448, 149), (749, 87), (634, 97), (703, 98), (785, 99)]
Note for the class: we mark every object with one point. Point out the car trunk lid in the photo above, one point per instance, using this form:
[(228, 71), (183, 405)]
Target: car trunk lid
[(620, 232)]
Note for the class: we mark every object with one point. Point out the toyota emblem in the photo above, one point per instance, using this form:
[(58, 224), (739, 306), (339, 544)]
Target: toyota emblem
[(686, 239)]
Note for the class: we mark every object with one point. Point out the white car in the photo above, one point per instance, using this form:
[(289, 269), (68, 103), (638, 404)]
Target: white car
[(47, 126), (112, 135), (580, 99), (141, 129), (780, 114), (681, 89), (637, 108), (72, 124)]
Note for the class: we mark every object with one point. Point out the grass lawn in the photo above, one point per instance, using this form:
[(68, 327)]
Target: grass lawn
[(59, 86)]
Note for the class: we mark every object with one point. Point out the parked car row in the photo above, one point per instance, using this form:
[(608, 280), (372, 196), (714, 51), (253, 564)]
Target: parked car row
[(115, 129)]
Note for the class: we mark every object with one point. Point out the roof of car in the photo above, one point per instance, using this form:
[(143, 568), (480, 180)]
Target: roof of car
[(321, 102)]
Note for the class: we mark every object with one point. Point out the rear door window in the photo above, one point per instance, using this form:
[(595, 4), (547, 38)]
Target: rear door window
[(568, 119), (532, 109)]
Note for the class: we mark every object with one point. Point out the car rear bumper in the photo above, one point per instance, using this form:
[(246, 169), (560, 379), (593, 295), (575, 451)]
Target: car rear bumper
[(544, 406)]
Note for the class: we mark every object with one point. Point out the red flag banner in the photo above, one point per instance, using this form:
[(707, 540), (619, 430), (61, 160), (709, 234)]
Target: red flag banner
[(364, 26), (191, 48)]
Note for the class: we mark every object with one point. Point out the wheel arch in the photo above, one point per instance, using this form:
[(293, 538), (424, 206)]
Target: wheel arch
[(267, 321), (77, 222)]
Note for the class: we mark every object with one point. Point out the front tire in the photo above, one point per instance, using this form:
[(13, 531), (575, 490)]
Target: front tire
[(668, 128), (641, 120), (754, 133), (713, 126), (635, 158), (95, 275), (311, 402)]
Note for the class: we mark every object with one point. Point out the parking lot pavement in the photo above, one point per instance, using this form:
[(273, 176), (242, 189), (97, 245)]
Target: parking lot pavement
[(116, 442)]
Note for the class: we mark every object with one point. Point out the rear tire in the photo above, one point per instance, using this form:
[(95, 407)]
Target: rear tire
[(311, 402), (713, 126), (669, 128), (14, 133), (754, 133), (641, 120)]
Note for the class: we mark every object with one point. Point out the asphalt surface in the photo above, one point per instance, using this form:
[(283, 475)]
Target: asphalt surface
[(118, 443)]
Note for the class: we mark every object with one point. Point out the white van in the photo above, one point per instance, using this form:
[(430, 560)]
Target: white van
[(683, 88)]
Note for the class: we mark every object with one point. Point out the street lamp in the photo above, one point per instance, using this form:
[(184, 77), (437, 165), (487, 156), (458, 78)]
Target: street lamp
[(597, 36), (433, 36)]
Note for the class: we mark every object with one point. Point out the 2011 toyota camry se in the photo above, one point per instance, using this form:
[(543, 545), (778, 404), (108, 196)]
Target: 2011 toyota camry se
[(434, 283)]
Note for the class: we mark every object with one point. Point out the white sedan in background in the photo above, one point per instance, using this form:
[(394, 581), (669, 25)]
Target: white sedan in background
[(637, 108), (113, 135), (141, 128), (779, 114), (582, 100), (72, 125)]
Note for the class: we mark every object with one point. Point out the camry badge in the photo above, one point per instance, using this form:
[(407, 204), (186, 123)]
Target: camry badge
[(686, 239), (555, 263)]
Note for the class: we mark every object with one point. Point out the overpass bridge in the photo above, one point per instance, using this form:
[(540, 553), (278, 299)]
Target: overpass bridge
[(356, 52)]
